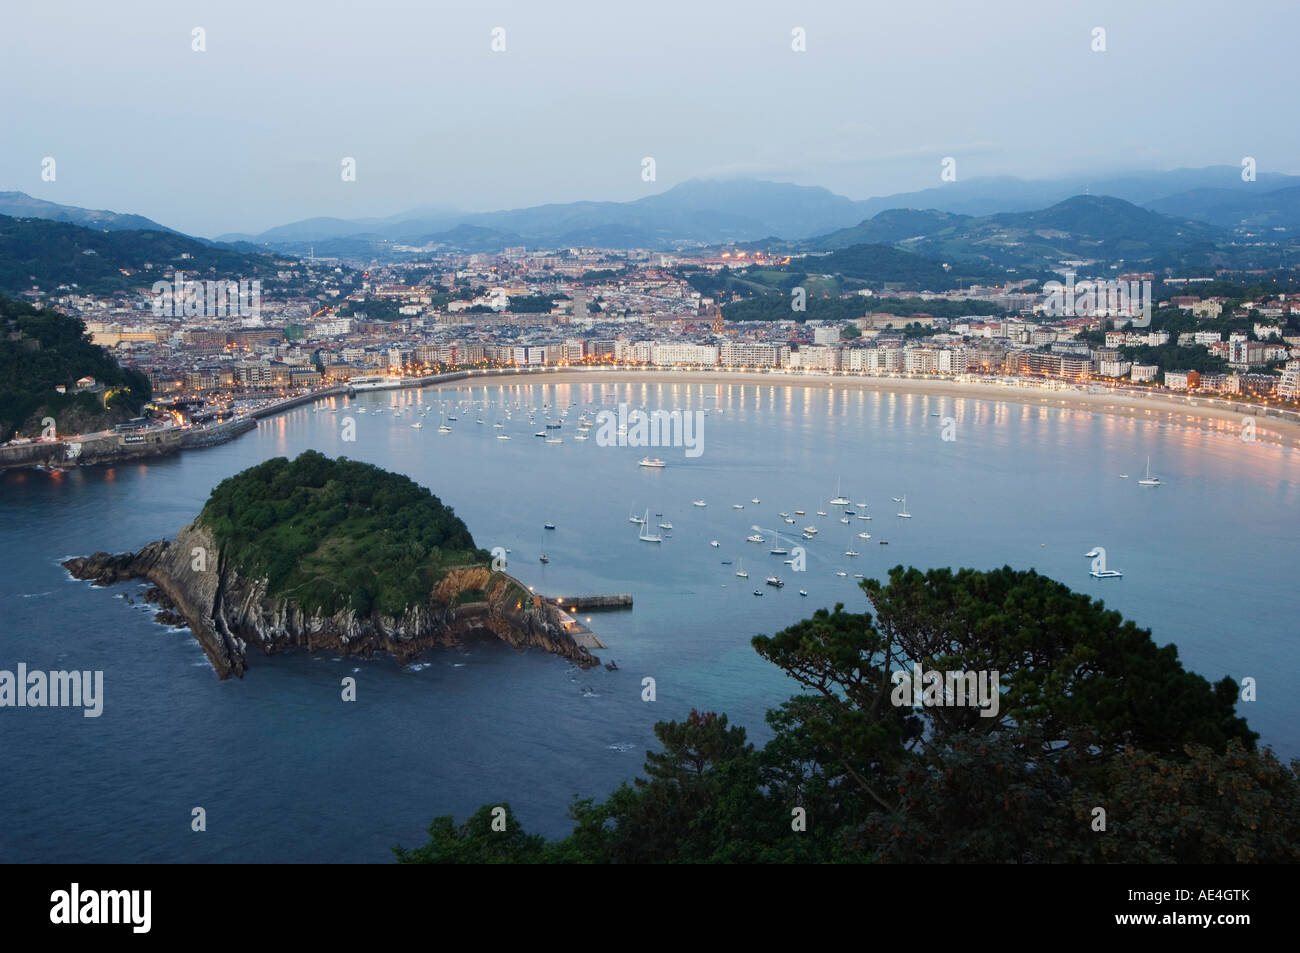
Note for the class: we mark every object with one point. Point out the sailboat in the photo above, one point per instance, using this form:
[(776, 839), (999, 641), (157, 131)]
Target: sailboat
[(904, 514), (645, 535), (1149, 480), (840, 499), (777, 549), (741, 571)]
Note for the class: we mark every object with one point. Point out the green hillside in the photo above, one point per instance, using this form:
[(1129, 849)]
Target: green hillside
[(44, 254), (338, 534), (41, 349)]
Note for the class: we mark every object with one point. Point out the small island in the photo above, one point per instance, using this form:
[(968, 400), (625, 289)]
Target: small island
[(331, 555)]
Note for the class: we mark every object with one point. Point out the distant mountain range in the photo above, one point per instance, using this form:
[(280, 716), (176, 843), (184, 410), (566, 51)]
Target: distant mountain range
[(716, 211), (1083, 227), (1183, 217), (710, 211)]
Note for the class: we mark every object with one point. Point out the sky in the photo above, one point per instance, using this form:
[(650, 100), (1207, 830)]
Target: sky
[(252, 131)]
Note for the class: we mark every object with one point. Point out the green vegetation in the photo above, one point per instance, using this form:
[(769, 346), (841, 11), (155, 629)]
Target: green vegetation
[(531, 304), (1171, 357), (371, 309), (41, 349), (1092, 714), (338, 534), (878, 264), (776, 307), (938, 307), (603, 274), (49, 254)]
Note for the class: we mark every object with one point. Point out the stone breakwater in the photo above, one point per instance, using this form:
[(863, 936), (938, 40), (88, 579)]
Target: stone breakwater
[(231, 615)]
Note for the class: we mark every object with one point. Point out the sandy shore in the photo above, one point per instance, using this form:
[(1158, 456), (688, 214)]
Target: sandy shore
[(1197, 412)]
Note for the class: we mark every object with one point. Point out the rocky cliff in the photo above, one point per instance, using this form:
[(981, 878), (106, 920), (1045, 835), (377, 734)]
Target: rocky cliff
[(230, 614)]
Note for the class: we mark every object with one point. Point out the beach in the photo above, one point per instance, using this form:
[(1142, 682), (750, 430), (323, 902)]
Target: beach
[(1204, 412)]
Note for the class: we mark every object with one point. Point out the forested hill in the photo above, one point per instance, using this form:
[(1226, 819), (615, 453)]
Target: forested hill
[(41, 349), (338, 534), (39, 253)]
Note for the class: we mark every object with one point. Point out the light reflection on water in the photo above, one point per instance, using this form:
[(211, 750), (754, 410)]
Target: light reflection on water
[(303, 776)]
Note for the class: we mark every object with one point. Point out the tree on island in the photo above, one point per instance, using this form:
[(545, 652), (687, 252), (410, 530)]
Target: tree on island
[(1092, 717)]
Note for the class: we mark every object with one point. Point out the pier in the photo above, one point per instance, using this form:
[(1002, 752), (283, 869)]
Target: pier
[(622, 600), (581, 634)]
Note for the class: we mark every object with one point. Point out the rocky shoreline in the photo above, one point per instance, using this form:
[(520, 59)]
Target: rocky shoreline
[(231, 615)]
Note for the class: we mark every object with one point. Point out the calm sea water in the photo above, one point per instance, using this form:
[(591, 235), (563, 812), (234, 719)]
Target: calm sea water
[(286, 771)]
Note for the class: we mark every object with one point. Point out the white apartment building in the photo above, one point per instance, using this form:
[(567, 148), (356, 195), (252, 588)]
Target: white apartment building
[(332, 327), (1289, 385), (744, 354), (662, 354), (1144, 372), (952, 360), (918, 360), (638, 352), (816, 357)]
